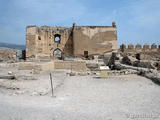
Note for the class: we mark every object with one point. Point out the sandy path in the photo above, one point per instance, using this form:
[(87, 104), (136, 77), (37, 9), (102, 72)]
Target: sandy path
[(128, 97)]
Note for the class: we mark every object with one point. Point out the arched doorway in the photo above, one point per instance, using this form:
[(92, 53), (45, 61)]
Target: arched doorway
[(57, 53)]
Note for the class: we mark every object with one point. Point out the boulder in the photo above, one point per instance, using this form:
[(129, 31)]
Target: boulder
[(126, 60), (92, 66)]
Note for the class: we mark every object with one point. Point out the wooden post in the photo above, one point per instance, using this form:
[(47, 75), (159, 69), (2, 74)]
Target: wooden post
[(71, 68), (51, 84)]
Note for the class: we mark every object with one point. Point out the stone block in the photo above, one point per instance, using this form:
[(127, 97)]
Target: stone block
[(130, 46), (26, 65), (79, 66)]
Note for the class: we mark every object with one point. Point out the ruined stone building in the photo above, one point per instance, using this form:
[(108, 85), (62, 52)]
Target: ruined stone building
[(77, 41)]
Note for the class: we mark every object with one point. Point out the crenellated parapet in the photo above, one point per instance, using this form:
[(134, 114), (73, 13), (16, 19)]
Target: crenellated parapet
[(146, 48), (123, 47), (139, 48), (154, 48)]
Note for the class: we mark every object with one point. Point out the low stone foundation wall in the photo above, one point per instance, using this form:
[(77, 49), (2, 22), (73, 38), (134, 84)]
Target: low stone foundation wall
[(9, 65), (26, 65), (78, 66)]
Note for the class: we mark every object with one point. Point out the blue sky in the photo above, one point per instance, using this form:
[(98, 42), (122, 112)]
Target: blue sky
[(138, 21)]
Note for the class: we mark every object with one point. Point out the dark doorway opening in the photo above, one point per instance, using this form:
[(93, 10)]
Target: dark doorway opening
[(86, 54), (39, 37)]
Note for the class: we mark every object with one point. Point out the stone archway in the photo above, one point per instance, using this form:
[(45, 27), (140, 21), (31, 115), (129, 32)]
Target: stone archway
[(57, 53)]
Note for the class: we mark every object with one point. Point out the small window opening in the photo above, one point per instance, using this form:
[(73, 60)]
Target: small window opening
[(57, 38), (39, 37)]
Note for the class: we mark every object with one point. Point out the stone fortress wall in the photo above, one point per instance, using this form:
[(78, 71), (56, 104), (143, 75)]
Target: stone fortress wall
[(47, 42), (139, 48)]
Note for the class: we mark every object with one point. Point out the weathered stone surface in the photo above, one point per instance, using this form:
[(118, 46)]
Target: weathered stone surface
[(138, 48), (126, 60), (145, 64), (92, 66), (38, 67), (131, 46), (122, 72), (149, 56), (158, 68), (124, 66), (80, 41), (7, 77), (26, 77), (26, 65), (156, 65), (154, 46), (94, 39), (145, 57), (106, 59), (153, 75), (79, 66), (7, 54), (122, 47), (146, 47), (112, 61)]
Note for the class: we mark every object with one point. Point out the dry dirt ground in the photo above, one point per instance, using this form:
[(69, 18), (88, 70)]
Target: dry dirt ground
[(125, 97)]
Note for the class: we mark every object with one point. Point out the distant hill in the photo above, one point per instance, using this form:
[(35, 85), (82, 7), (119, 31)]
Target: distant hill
[(13, 46)]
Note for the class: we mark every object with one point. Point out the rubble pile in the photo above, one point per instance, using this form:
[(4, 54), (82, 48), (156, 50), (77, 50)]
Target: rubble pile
[(122, 72), (135, 59), (145, 64), (7, 54)]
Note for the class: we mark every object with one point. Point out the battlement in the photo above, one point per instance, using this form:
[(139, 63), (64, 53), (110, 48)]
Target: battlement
[(139, 48)]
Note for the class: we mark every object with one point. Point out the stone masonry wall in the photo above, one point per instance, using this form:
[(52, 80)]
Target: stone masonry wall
[(40, 41), (45, 42), (138, 48), (94, 39)]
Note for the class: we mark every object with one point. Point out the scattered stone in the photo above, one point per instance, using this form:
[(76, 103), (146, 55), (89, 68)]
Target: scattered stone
[(145, 64), (11, 87), (82, 73), (126, 60), (11, 77), (72, 74), (10, 72), (34, 94), (92, 66), (26, 77), (154, 76), (43, 92), (10, 55), (19, 92)]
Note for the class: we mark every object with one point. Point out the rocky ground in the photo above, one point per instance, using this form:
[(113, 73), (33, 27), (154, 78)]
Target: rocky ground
[(10, 55), (124, 97)]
